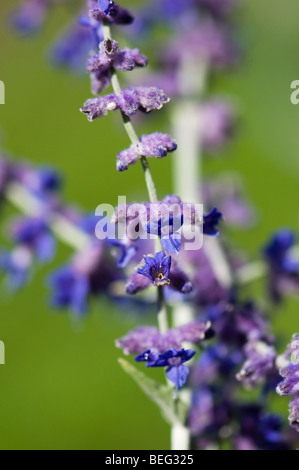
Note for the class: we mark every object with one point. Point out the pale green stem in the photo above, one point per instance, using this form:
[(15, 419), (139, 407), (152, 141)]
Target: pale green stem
[(162, 311)]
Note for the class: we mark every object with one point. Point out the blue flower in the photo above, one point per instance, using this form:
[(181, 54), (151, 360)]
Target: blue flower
[(167, 228), (156, 268), (16, 265), (69, 289), (35, 234), (211, 221), (48, 179), (126, 252), (277, 251), (173, 359), (96, 29)]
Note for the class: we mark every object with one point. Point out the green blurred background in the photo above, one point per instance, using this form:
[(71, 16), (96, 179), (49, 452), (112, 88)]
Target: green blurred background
[(61, 387)]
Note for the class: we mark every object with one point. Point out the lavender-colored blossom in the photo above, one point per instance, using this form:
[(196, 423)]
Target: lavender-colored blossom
[(95, 28), (137, 283), (156, 268), (209, 42), (206, 290), (30, 16), (39, 180), (72, 48), (182, 12), (89, 273), (34, 233), (173, 359), (153, 145), (16, 264), (129, 101), (168, 216), (110, 11), (100, 65), (70, 289), (33, 241), (259, 364), (110, 55), (226, 193), (147, 337), (217, 124)]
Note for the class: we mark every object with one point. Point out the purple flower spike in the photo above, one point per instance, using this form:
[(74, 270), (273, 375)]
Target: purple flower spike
[(129, 101), (173, 359), (156, 268), (153, 145), (210, 222)]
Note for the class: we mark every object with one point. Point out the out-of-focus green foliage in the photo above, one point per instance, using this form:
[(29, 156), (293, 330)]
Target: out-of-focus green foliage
[(62, 387)]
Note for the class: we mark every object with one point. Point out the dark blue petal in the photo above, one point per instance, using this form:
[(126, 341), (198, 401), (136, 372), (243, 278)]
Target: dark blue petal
[(211, 221)]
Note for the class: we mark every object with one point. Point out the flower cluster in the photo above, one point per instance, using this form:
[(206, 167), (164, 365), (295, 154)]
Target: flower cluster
[(227, 343)]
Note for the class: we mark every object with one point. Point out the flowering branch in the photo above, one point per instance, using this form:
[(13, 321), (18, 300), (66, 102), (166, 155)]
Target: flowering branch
[(202, 285)]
